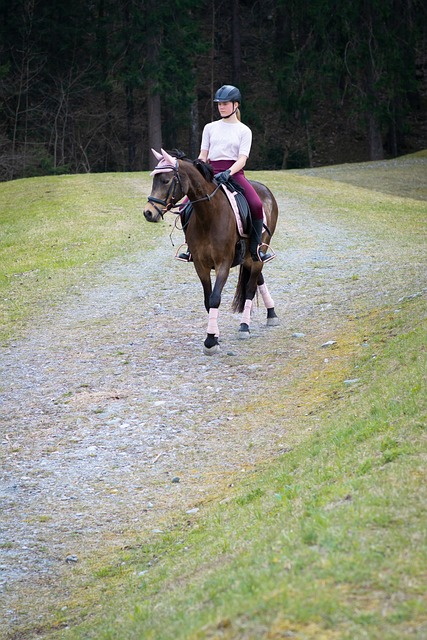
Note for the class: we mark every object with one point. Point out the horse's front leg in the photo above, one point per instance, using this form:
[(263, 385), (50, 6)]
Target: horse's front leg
[(211, 344)]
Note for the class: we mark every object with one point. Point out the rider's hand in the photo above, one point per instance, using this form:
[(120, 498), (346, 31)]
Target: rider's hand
[(222, 176)]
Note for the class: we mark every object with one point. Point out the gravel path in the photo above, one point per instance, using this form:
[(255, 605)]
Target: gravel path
[(112, 419)]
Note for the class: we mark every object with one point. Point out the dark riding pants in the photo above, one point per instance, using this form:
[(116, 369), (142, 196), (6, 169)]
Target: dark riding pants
[(251, 195)]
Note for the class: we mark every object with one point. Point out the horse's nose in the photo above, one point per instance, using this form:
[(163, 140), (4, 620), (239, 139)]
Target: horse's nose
[(148, 215)]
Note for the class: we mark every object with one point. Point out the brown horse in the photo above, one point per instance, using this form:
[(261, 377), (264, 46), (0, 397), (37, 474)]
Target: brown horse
[(212, 237)]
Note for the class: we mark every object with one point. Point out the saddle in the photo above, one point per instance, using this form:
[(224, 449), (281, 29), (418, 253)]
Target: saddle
[(240, 206)]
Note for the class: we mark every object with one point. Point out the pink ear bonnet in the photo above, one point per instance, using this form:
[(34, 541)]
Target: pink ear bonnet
[(166, 162)]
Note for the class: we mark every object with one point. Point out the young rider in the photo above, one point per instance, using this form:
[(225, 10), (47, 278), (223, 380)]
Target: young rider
[(226, 145)]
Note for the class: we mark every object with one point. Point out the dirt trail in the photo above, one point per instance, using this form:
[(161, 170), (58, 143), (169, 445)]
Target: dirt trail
[(109, 401)]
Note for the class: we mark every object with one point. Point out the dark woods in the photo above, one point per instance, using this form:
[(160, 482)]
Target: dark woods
[(92, 85)]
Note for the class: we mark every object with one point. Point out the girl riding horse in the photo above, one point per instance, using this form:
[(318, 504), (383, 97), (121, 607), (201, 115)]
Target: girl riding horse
[(226, 145)]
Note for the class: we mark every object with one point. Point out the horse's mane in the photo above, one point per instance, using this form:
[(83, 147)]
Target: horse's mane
[(203, 167)]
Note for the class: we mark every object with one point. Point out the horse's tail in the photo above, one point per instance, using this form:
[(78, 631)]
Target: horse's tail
[(239, 299)]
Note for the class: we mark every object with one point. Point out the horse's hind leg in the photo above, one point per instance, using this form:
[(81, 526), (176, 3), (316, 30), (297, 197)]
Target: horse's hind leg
[(249, 285), (244, 331), (272, 319)]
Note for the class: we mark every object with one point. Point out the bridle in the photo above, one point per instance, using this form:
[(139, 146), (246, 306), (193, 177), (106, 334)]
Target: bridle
[(169, 202)]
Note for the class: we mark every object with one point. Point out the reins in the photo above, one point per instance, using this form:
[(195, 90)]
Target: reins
[(206, 197)]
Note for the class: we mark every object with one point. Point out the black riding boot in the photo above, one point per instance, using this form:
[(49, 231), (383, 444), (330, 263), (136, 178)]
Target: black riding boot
[(185, 256), (255, 241)]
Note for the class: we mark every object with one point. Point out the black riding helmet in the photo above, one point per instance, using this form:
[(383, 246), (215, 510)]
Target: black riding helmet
[(228, 93)]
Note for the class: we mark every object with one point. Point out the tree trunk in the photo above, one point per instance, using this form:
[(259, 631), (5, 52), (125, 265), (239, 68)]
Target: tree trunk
[(154, 111), (154, 123), (130, 117), (194, 130), (285, 158), (236, 43), (309, 146), (212, 59), (376, 151)]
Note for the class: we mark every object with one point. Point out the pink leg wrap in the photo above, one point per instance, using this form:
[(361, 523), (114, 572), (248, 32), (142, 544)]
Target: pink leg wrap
[(213, 322), (246, 316), (265, 294)]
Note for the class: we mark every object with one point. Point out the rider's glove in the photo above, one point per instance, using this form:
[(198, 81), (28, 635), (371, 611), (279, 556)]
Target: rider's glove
[(223, 176)]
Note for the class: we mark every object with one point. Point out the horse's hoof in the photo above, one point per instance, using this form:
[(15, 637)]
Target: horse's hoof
[(272, 319), (210, 345), (244, 332), (210, 351)]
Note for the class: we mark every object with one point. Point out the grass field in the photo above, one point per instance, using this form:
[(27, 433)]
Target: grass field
[(325, 542)]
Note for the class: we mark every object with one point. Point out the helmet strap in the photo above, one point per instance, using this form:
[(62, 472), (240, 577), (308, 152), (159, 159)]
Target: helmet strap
[(231, 114)]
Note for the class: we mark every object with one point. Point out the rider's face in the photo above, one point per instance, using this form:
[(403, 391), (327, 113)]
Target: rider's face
[(225, 108)]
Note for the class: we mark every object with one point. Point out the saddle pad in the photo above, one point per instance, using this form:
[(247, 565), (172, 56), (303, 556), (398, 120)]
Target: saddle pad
[(231, 198)]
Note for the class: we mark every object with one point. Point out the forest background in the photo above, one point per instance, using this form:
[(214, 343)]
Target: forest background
[(90, 86)]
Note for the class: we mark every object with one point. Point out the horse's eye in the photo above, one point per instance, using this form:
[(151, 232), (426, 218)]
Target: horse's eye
[(165, 180)]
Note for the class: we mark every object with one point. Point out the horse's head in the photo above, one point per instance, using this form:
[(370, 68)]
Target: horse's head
[(167, 188)]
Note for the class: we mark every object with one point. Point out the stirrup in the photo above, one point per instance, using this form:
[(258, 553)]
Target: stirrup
[(183, 256), (262, 255)]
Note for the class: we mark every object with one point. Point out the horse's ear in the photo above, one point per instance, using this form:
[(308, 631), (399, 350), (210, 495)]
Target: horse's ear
[(156, 154), (170, 159)]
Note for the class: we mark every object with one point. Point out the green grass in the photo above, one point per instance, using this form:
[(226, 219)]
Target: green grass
[(55, 231), (394, 217), (327, 542), (385, 177)]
